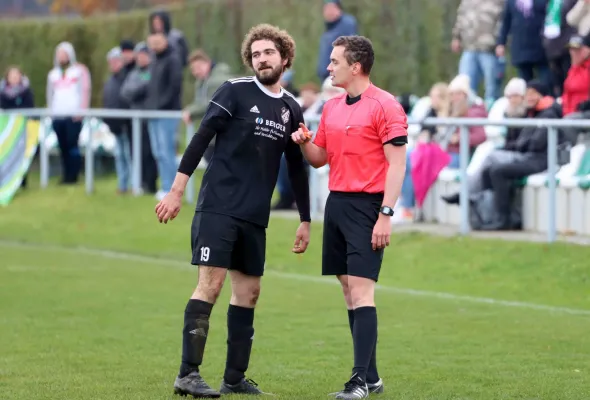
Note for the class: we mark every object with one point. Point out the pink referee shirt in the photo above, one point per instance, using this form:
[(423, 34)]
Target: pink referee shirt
[(353, 136)]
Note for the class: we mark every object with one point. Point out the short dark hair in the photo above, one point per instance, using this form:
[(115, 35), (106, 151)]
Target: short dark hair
[(282, 40), (357, 49), (198, 55)]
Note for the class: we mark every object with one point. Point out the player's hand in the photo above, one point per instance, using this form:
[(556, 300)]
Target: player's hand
[(301, 238), (381, 232), (302, 135), (169, 207)]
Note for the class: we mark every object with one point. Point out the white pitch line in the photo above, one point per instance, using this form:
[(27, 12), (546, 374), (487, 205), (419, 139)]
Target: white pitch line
[(307, 278)]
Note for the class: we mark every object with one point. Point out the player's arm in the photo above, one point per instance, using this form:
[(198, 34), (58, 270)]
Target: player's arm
[(217, 116), (299, 180)]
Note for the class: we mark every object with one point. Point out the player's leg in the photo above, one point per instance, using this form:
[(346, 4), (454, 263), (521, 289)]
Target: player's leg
[(246, 271), (214, 258), (363, 267)]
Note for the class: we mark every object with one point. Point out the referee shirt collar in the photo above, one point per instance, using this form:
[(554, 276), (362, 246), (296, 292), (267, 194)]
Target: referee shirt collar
[(266, 91)]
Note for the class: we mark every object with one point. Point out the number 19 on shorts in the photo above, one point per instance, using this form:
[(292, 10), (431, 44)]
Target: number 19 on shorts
[(204, 253)]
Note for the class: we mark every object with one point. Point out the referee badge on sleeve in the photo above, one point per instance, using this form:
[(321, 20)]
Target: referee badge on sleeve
[(285, 115)]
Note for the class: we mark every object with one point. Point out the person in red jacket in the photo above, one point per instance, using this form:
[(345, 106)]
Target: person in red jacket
[(576, 88)]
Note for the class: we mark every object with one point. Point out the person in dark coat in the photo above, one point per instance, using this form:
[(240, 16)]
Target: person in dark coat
[(160, 22), (523, 23), (528, 153)]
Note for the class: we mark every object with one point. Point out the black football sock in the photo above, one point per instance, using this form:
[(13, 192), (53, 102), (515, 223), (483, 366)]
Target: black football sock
[(240, 334), (372, 374), (364, 337), (194, 335)]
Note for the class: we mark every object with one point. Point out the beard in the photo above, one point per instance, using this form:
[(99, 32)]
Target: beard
[(269, 76)]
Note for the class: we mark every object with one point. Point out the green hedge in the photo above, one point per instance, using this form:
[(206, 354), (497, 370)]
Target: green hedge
[(411, 38)]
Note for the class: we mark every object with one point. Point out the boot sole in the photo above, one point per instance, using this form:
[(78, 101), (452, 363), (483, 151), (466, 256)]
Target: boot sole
[(185, 393)]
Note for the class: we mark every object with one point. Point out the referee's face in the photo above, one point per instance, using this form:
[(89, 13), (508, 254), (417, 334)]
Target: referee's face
[(267, 62), (339, 70)]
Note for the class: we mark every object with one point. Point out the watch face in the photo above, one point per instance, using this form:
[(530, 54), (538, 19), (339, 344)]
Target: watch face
[(386, 210)]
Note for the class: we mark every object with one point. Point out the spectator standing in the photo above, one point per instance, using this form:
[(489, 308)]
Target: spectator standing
[(68, 92), (134, 92), (111, 99), (579, 17), (337, 24), (164, 93), (556, 36), (160, 22), (523, 23), (476, 32)]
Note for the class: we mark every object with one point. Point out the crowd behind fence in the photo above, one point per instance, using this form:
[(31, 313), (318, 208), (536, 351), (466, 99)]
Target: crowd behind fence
[(463, 123)]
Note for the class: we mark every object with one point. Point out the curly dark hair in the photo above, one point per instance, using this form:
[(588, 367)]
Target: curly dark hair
[(357, 49), (282, 40)]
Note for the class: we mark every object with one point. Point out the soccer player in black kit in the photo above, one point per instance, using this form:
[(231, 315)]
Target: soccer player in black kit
[(252, 119)]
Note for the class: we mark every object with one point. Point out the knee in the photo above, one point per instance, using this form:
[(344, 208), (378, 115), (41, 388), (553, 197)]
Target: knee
[(362, 293), (209, 290), (246, 295)]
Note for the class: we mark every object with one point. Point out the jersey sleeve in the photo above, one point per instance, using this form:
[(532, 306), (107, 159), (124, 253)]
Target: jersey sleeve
[(391, 122), (222, 105)]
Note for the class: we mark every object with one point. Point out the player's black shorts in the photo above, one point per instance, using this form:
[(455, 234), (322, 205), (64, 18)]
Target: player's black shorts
[(219, 240), (349, 220)]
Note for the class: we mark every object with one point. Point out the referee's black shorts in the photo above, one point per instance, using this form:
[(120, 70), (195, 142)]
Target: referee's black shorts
[(349, 220), (219, 240)]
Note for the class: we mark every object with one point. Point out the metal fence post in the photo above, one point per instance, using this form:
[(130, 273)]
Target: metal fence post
[(136, 155), (45, 127), (552, 183), (89, 156), (464, 193), (190, 189)]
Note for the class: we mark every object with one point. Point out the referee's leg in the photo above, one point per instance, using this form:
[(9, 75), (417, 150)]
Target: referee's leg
[(213, 256), (359, 215)]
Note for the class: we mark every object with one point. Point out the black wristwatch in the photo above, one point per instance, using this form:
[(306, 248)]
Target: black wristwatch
[(385, 210)]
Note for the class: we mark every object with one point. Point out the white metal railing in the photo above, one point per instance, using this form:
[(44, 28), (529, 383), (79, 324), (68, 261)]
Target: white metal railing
[(463, 123)]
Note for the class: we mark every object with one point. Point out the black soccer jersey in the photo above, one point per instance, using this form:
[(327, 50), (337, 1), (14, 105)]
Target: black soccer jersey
[(255, 130)]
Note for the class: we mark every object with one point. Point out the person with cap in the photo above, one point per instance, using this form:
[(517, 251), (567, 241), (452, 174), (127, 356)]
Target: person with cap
[(576, 88), (134, 93), (111, 99), (514, 91), (128, 52), (527, 156), (337, 24)]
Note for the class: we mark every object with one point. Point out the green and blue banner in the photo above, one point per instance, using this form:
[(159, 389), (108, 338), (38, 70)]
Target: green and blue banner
[(19, 139)]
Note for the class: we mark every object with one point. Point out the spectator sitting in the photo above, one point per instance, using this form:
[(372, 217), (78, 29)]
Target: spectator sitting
[(463, 104), (68, 92), (527, 155), (159, 22), (439, 108), (16, 93), (287, 83), (134, 93), (515, 91), (111, 99)]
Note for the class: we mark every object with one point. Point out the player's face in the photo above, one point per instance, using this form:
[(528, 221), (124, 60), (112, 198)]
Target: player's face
[(339, 69), (267, 62)]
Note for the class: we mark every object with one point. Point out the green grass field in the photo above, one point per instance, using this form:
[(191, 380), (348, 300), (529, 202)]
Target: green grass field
[(93, 289)]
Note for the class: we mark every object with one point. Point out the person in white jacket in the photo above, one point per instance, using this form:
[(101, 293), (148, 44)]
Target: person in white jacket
[(68, 92)]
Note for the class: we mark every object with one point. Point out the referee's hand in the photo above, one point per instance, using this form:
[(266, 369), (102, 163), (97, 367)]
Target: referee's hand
[(169, 207), (302, 135), (381, 232), (301, 238)]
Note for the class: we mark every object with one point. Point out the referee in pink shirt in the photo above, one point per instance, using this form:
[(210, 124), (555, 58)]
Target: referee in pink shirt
[(362, 137)]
